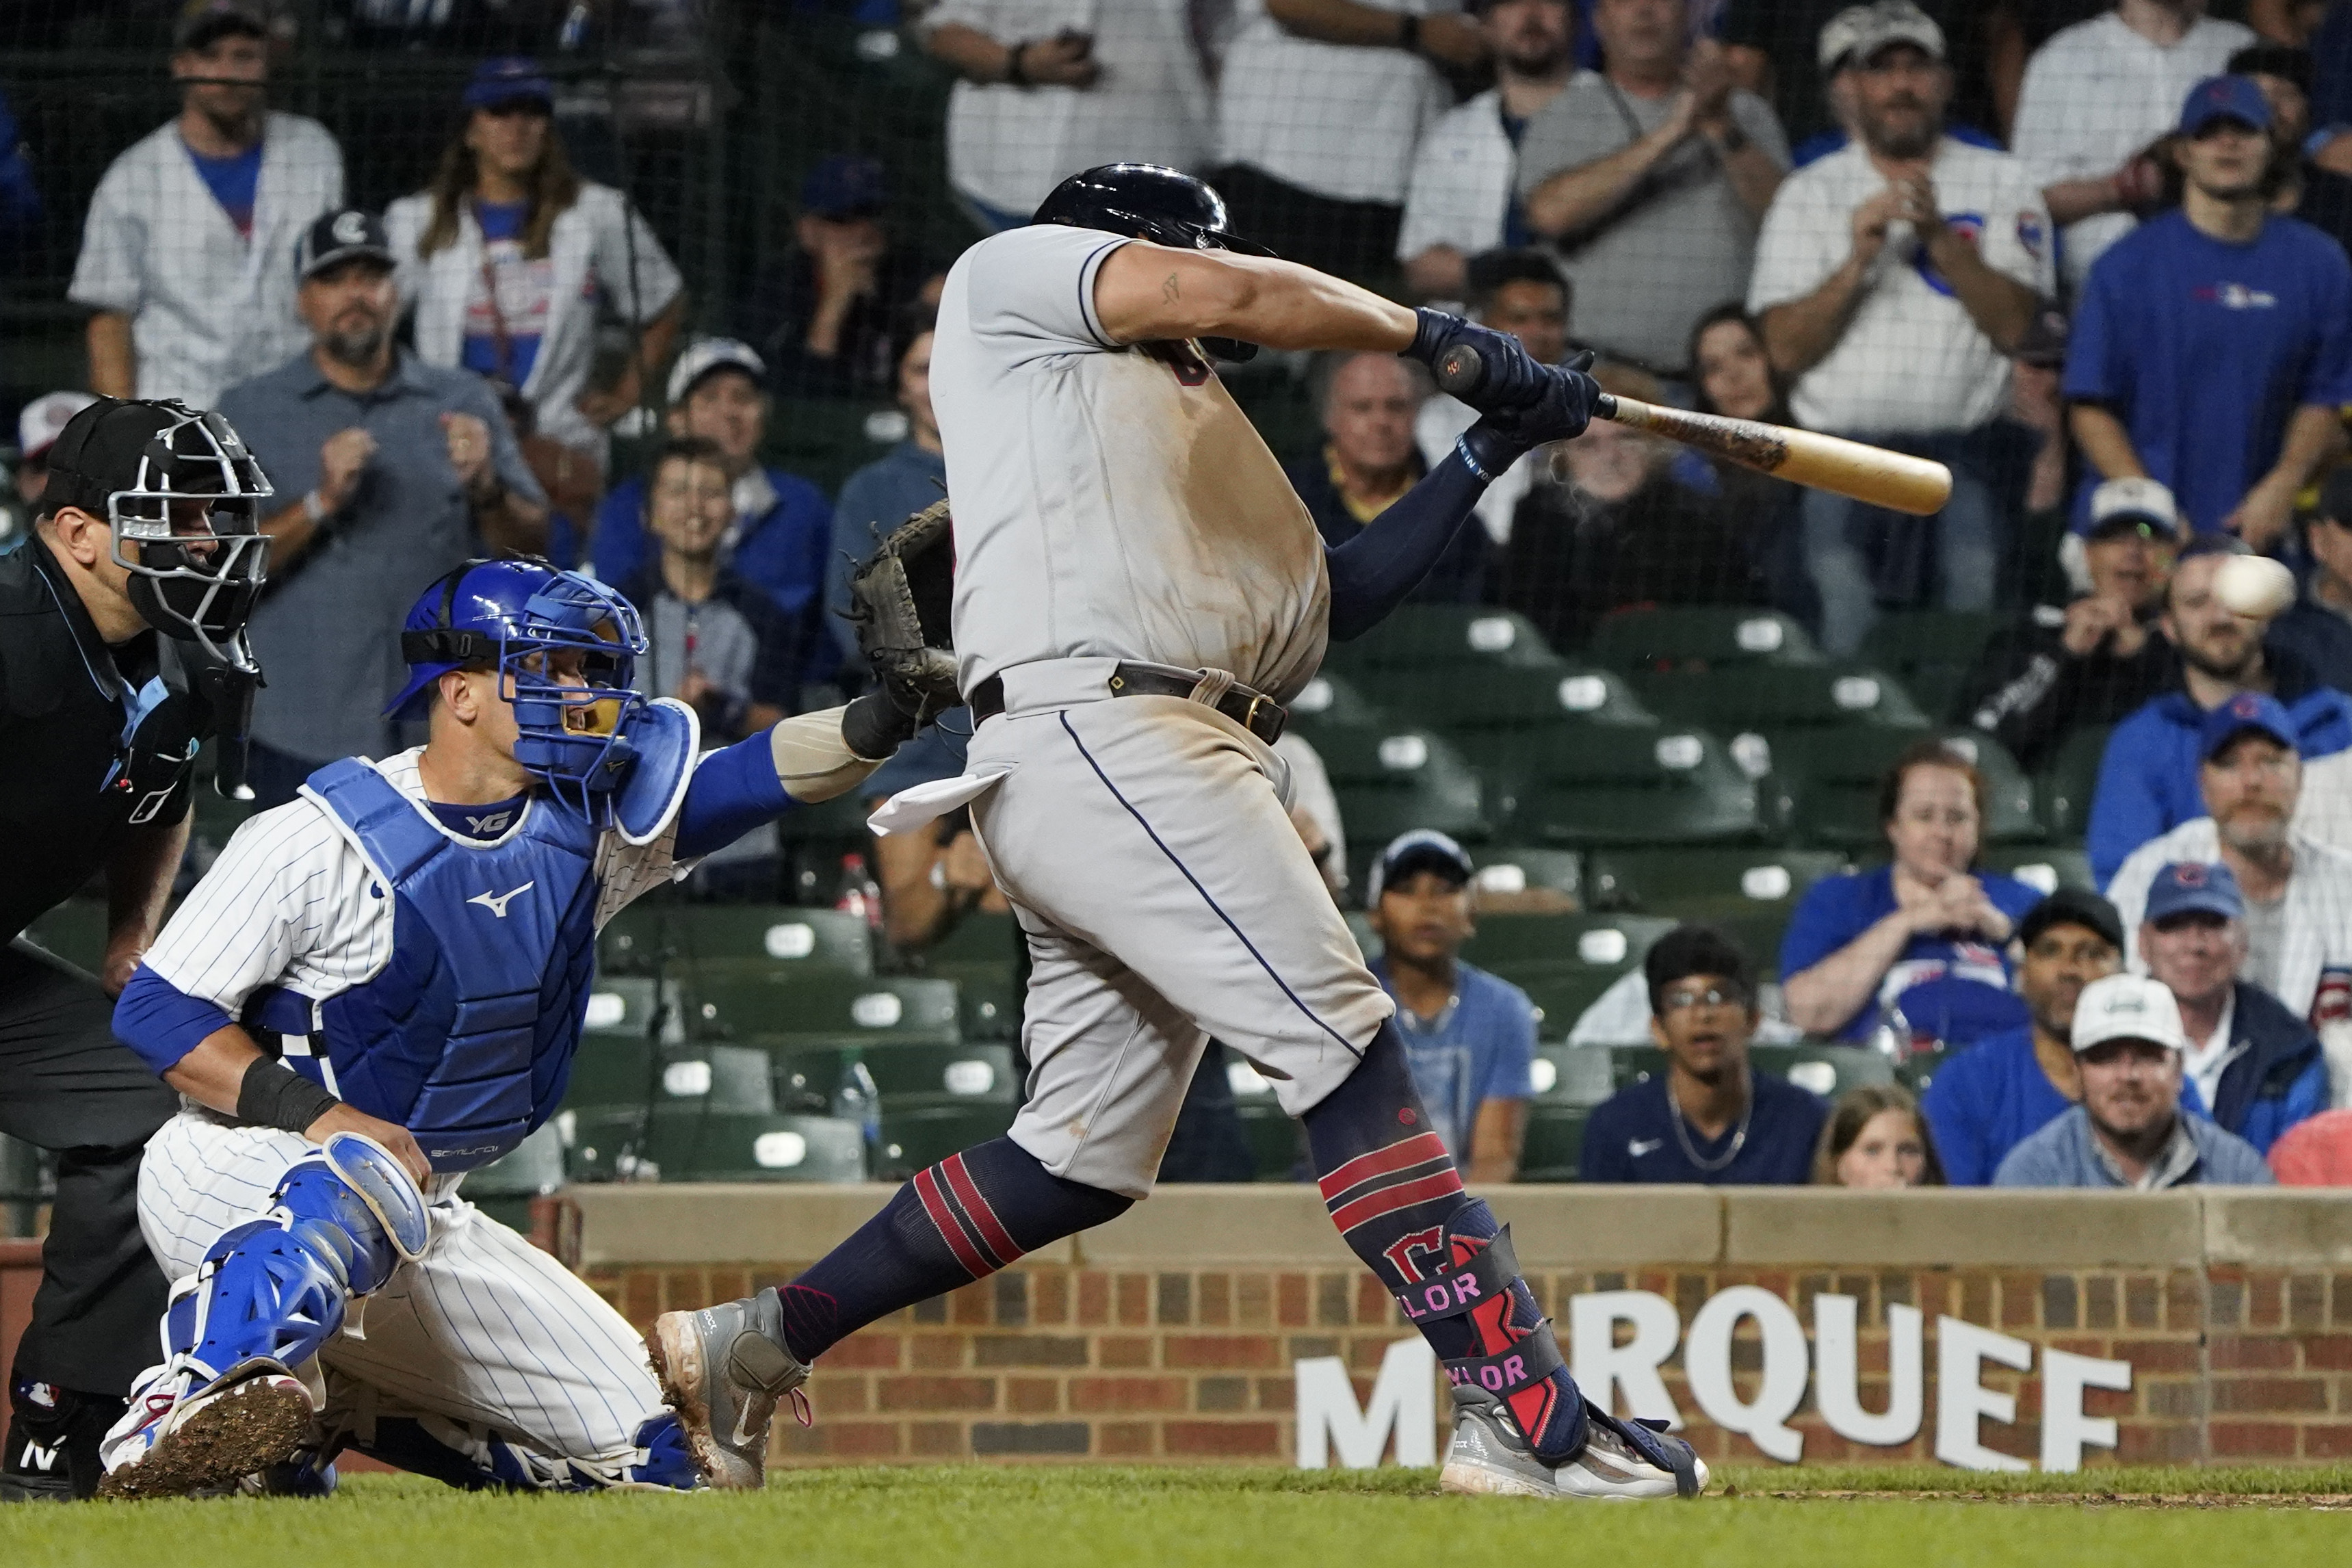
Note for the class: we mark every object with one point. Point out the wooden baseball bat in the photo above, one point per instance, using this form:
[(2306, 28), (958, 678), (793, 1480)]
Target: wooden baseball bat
[(1893, 480)]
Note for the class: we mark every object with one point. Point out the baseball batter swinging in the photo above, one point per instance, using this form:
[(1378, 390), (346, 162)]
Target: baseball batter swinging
[(1138, 591)]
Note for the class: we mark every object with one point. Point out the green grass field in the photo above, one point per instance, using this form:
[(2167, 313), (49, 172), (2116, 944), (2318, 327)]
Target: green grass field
[(1090, 1517)]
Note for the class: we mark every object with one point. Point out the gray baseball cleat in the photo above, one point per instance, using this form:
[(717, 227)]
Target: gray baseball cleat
[(1621, 1460), (723, 1369)]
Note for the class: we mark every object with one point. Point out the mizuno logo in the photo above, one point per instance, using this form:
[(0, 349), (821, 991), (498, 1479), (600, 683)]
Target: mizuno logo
[(496, 902), (1640, 1146)]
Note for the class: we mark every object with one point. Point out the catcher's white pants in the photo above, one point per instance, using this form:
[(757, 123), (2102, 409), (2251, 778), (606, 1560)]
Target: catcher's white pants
[(485, 1331)]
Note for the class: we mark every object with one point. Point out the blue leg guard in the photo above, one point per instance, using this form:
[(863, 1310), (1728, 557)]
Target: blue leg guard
[(469, 1457), (276, 1287)]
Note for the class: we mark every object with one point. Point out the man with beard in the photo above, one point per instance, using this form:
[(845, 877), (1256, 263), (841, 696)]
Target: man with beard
[(2149, 780), (1464, 199), (1893, 278), (2212, 346), (2007, 1087), (2297, 891), (2130, 1130), (394, 470), (188, 252)]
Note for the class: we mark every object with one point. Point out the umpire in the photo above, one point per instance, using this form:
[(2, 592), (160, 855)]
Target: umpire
[(147, 527)]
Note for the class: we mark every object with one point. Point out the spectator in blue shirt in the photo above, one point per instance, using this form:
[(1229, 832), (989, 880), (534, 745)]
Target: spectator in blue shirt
[(2132, 1130), (1469, 1035), (1986, 1099), (2255, 1063), (881, 496), (2212, 345), (1922, 936), (784, 524), (2147, 779), (1708, 1118)]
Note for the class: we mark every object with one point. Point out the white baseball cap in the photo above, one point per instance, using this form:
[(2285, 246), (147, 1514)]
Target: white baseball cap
[(2128, 1007), (707, 354), (45, 419), (1895, 22), (2134, 496), (1840, 33)]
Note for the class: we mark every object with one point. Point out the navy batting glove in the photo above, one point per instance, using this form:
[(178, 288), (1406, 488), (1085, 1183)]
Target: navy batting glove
[(1563, 408), (1512, 380)]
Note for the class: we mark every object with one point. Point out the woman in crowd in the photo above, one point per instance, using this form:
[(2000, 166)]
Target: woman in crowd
[(1875, 1138), (1733, 377), (1614, 523), (507, 256), (1923, 936)]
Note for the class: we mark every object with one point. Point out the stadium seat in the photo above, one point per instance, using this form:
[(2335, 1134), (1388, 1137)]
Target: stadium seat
[(1829, 783), (1701, 883), (22, 1188), (1390, 781), (1828, 1071), (2043, 866), (1333, 702), (1274, 1138), (1698, 636), (837, 1008), (623, 1006), (2068, 781), (1512, 696), (504, 1188), (1562, 962), (1930, 652), (979, 936), (1430, 637), (1569, 1080), (1583, 783), (781, 937), (692, 1145), (1521, 870), (1772, 697)]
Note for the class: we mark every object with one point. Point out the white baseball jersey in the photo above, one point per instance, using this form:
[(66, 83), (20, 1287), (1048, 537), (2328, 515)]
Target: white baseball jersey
[(292, 901), (1108, 502)]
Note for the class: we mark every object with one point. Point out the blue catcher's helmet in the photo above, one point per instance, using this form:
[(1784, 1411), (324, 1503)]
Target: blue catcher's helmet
[(537, 624)]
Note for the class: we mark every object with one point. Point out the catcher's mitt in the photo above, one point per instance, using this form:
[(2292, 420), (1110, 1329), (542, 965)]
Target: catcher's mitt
[(900, 603)]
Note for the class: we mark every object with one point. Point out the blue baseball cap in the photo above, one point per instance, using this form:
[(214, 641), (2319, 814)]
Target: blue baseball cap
[(2224, 98), (2247, 711), (2187, 887), (843, 184), (1421, 849), (510, 78)]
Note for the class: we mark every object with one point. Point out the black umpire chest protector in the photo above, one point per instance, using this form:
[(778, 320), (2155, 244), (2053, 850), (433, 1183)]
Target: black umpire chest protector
[(94, 740)]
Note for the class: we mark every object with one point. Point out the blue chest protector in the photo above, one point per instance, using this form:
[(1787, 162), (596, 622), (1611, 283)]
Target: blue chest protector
[(465, 1036)]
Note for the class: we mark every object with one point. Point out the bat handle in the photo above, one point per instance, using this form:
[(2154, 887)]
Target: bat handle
[(1605, 406), (1460, 369)]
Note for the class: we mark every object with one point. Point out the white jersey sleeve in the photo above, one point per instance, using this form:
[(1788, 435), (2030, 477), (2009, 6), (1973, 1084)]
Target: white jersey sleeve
[(1032, 292), (288, 901)]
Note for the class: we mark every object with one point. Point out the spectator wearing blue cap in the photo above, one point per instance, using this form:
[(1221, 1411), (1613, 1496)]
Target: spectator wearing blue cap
[(2212, 346), (1469, 1037), (2149, 780), (783, 525), (187, 251), (825, 316), (508, 254), (2257, 1065), (2297, 892), (2098, 657)]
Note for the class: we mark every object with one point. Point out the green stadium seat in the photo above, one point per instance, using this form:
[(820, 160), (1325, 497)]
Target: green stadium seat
[(2046, 866), (1428, 637), (1698, 636), (1332, 701), (1740, 699), (1563, 962), (1830, 782), (611, 1070), (1273, 1138), (1700, 883), (689, 1145), (1605, 783), (979, 937), (1512, 696), (781, 937), (1390, 781), (1931, 651), (1522, 870), (838, 1008), (623, 1006), (1572, 1075), (2069, 780), (1554, 1148), (1827, 1070), (504, 1188)]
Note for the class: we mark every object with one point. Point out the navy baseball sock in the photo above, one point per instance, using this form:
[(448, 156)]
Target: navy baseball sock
[(1395, 1194), (961, 1220)]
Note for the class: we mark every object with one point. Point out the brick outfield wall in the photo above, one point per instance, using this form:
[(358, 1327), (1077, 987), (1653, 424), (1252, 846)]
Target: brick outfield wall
[(1182, 1358)]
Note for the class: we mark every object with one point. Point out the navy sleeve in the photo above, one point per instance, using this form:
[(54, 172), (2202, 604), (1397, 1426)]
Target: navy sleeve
[(160, 1022), (732, 792), (1603, 1156), (1372, 573)]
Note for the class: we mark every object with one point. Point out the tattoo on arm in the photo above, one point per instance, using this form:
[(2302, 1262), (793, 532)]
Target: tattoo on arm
[(1168, 290)]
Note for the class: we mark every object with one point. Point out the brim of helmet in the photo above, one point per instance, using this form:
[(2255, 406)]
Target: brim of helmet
[(1232, 241), (410, 703)]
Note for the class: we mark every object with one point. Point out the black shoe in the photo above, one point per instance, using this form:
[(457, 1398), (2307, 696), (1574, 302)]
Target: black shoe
[(53, 1438)]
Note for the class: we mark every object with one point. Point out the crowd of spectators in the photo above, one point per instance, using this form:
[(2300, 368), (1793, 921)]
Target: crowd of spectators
[(2094, 263)]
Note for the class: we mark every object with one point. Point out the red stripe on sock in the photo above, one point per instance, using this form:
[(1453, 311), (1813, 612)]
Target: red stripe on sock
[(1379, 1161), (1388, 1200), (951, 1229), (993, 1234)]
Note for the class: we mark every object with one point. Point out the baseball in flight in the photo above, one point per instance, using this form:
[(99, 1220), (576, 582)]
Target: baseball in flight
[(2255, 586)]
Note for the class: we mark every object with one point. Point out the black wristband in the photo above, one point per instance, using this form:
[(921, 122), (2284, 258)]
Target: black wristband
[(1409, 33), (271, 1094), (1014, 75), (872, 726)]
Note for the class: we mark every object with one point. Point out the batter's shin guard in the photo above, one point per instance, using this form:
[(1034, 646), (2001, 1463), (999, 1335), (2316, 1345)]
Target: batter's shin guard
[(1394, 1191)]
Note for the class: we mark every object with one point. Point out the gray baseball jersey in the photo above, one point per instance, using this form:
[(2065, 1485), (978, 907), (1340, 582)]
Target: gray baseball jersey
[(1109, 501)]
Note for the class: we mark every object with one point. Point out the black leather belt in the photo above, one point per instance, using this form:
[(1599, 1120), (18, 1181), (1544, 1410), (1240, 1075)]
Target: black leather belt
[(1259, 714)]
